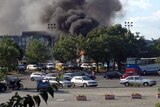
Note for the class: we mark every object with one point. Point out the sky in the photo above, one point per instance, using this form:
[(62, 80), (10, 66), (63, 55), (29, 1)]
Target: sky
[(145, 15)]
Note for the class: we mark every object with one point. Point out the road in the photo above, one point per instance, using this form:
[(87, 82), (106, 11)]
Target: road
[(95, 95)]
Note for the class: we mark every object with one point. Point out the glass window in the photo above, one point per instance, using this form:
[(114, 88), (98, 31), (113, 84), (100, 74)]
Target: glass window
[(130, 78), (23, 39), (137, 78)]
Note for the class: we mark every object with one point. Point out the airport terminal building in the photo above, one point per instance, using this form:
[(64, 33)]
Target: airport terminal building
[(23, 40)]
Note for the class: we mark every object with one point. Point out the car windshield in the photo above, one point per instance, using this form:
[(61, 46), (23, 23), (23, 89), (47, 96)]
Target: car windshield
[(86, 78)]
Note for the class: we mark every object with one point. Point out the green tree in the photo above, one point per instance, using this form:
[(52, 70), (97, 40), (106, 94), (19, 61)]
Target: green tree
[(9, 54), (122, 44), (37, 51), (65, 49), (95, 48)]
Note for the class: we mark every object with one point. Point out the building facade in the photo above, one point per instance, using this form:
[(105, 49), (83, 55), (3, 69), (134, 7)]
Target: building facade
[(23, 40)]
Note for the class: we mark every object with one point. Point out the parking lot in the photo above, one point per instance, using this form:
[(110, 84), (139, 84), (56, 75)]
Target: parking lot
[(65, 97)]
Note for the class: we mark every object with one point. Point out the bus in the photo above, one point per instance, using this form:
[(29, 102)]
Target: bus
[(143, 65)]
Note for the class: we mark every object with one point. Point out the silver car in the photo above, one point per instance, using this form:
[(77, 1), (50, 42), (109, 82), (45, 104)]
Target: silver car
[(138, 81), (62, 83), (83, 81)]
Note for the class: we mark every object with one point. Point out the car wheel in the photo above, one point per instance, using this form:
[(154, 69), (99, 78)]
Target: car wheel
[(84, 85), (32, 79), (127, 84), (146, 84)]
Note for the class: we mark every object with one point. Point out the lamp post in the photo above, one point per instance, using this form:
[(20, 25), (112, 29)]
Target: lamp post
[(51, 27), (128, 25)]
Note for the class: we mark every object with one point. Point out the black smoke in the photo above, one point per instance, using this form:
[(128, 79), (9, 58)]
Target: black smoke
[(69, 16)]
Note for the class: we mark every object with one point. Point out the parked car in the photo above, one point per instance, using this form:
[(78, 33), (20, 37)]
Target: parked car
[(137, 80), (83, 81), (83, 73), (21, 67), (32, 67), (37, 76), (50, 66), (86, 66), (3, 86), (68, 75), (41, 66), (112, 74), (62, 83)]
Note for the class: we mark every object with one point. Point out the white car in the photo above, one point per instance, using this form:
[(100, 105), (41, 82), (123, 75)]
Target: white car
[(86, 65), (36, 76), (50, 66), (62, 83), (83, 81), (32, 67)]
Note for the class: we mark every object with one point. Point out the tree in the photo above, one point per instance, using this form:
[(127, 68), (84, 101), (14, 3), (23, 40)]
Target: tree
[(95, 48), (37, 51), (118, 43), (9, 54), (67, 48), (28, 100), (122, 43)]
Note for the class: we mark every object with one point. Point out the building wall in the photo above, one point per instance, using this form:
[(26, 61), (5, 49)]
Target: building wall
[(23, 40)]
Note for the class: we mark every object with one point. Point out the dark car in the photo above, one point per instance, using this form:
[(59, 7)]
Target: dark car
[(112, 74), (41, 66), (21, 67), (3, 87)]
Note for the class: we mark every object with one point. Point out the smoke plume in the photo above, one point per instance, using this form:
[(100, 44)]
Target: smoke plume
[(69, 16)]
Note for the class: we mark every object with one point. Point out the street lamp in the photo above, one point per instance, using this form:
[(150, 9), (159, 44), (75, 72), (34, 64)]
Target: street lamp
[(51, 27), (128, 25)]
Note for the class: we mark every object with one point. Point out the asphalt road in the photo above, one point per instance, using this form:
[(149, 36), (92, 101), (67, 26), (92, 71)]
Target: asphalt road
[(95, 95)]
